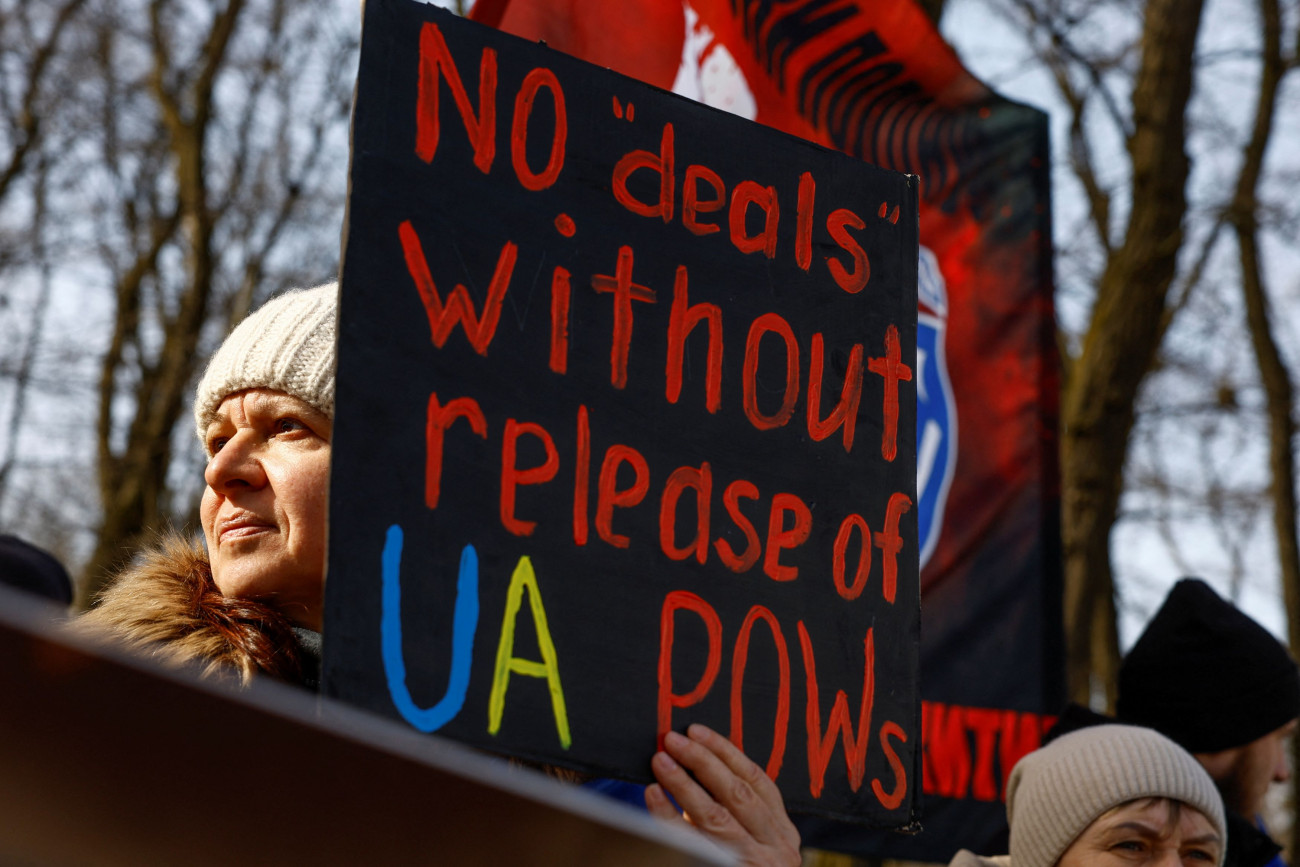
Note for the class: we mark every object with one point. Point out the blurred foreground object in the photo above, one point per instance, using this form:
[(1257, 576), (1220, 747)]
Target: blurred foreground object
[(345, 787)]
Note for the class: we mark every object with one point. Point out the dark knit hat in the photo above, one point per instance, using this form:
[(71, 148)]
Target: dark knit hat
[(1207, 675), (33, 569)]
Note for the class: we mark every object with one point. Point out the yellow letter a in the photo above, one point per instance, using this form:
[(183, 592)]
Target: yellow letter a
[(549, 668)]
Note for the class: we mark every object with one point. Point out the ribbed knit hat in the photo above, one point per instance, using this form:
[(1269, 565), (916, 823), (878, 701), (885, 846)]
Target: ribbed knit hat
[(286, 345), (1057, 791), (1200, 652)]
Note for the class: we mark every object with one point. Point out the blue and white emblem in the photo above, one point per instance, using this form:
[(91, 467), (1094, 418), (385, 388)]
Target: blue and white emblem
[(936, 413)]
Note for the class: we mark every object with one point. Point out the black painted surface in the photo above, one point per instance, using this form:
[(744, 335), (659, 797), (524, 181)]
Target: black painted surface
[(603, 603)]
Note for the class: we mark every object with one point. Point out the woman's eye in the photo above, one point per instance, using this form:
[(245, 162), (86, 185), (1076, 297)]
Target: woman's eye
[(1129, 846), (215, 444), (1201, 855), (288, 425)]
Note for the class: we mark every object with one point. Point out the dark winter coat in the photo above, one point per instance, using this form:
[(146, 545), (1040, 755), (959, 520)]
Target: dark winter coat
[(1247, 845)]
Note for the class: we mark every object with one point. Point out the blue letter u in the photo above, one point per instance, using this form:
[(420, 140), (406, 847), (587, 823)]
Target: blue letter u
[(464, 622)]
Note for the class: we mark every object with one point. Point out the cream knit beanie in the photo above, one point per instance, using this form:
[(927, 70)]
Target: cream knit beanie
[(286, 345), (1057, 791)]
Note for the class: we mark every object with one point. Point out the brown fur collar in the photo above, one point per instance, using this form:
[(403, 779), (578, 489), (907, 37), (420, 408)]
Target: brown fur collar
[(167, 605)]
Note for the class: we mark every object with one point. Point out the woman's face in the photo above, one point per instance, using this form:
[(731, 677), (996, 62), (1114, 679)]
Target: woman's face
[(1151, 832), (264, 510)]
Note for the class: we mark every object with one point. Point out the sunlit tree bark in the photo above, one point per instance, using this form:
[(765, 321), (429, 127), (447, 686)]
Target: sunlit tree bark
[(1120, 344)]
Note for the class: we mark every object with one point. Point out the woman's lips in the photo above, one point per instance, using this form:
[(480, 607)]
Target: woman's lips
[(241, 527)]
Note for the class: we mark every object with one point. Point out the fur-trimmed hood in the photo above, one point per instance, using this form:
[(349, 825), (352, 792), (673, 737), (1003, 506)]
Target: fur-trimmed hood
[(167, 605)]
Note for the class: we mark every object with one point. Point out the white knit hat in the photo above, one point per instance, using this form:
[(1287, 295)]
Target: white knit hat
[(286, 345), (1057, 791)]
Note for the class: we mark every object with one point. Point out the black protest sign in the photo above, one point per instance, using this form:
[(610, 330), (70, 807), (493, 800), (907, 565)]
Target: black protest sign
[(625, 432)]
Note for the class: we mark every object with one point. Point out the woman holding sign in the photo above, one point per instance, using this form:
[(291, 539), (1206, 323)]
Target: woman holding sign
[(248, 599)]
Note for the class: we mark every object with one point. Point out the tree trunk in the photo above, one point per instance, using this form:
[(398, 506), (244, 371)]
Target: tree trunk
[(133, 483), (1121, 342), (1273, 373)]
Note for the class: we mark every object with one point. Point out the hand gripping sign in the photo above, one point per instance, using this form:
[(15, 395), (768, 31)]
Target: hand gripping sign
[(626, 424)]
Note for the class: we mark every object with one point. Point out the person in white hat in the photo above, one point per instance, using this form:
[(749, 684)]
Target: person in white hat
[(249, 597)]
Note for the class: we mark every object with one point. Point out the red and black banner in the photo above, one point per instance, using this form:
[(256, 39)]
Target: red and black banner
[(874, 78)]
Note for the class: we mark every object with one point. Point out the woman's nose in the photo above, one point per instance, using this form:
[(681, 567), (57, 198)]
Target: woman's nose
[(236, 465)]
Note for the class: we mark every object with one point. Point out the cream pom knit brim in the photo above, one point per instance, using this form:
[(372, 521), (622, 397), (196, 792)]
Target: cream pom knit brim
[(286, 345), (1057, 791)]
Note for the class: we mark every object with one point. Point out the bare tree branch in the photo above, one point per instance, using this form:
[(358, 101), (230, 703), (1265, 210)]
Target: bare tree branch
[(22, 376), (1276, 378), (1119, 347), (29, 118)]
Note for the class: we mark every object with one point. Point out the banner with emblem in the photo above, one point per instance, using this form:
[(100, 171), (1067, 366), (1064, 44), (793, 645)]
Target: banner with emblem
[(875, 79)]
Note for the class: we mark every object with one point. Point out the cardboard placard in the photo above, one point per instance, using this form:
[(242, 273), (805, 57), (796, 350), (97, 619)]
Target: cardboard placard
[(625, 432)]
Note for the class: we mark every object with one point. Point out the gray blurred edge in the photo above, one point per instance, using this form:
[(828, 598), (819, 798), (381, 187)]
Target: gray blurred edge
[(109, 758)]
